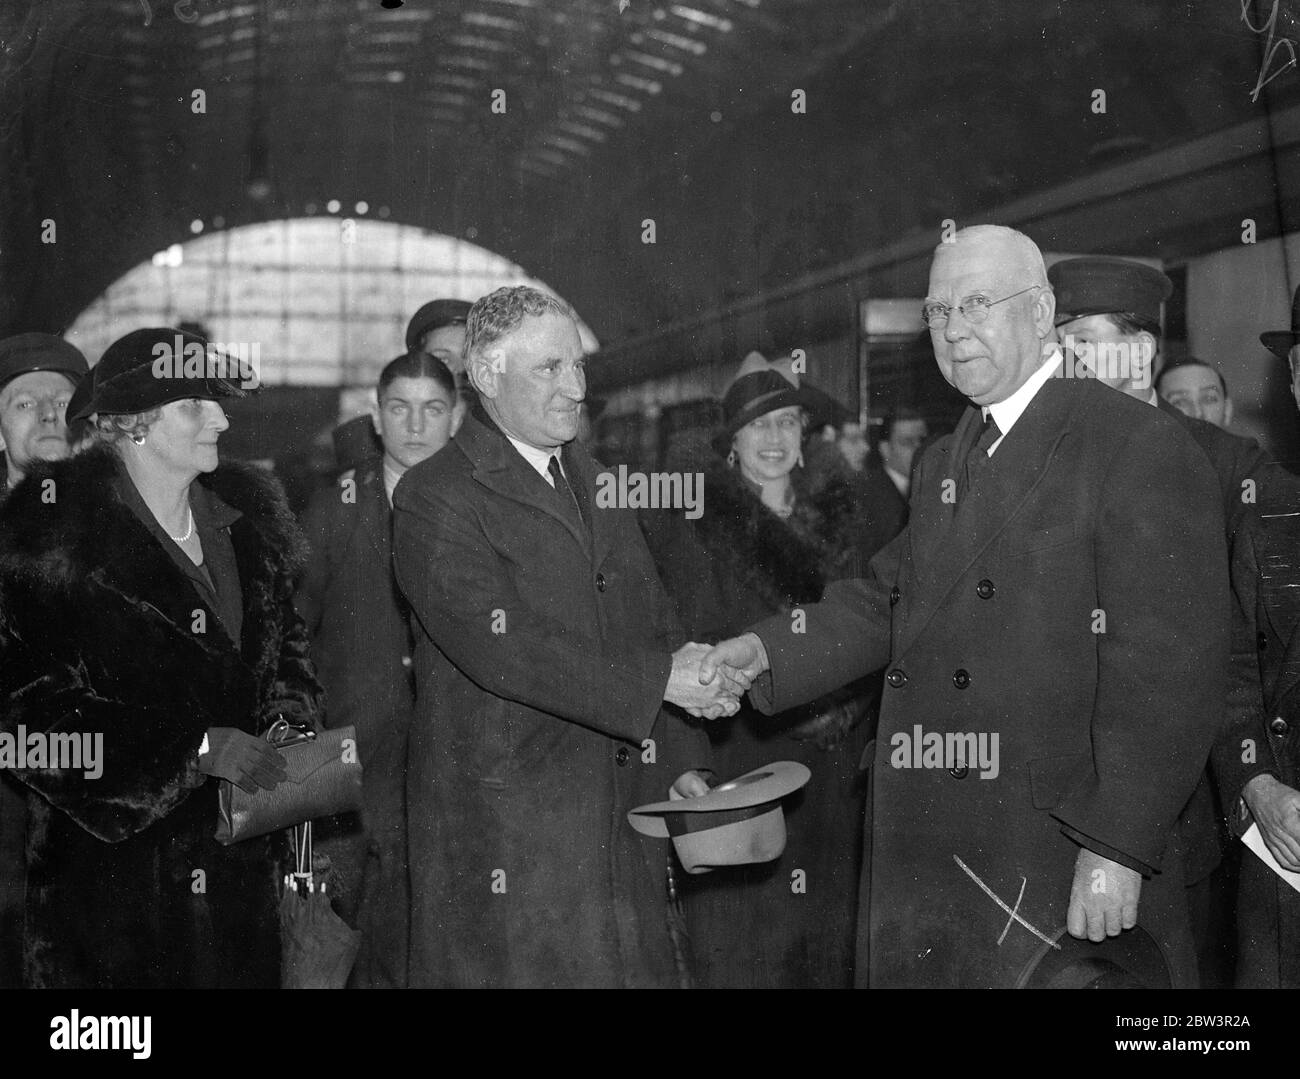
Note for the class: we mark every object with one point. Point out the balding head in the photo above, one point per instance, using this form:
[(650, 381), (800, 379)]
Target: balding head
[(1015, 251), (987, 360)]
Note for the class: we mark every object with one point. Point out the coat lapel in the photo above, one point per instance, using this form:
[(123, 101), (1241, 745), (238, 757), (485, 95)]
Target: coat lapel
[(501, 469), (1021, 462), (583, 470)]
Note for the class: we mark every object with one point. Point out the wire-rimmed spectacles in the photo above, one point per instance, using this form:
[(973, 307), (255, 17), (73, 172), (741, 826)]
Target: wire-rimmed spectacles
[(974, 309)]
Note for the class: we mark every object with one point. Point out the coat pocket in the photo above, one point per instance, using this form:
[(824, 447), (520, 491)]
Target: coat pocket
[(1052, 778)]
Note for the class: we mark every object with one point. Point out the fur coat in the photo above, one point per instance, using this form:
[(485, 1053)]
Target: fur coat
[(126, 885), (788, 923)]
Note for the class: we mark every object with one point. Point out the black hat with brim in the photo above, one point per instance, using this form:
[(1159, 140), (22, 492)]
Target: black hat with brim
[(81, 395), (153, 367), (757, 394), (28, 352), (1132, 960), (1281, 342), (1100, 286)]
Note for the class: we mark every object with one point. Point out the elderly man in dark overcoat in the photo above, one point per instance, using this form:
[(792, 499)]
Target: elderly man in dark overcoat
[(1054, 627), (545, 650)]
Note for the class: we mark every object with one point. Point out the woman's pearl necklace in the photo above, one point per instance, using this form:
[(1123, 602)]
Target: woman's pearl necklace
[(188, 532)]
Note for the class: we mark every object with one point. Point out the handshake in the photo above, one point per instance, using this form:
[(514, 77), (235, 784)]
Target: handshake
[(708, 682)]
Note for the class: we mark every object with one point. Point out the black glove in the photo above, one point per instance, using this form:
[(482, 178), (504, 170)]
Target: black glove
[(249, 763)]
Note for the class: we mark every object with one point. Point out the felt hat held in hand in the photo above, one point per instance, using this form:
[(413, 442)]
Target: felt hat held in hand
[(736, 823)]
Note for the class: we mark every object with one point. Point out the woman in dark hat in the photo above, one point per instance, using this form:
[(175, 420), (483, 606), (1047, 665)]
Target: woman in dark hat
[(145, 590), (781, 519)]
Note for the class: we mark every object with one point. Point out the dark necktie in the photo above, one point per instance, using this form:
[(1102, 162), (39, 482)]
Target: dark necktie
[(563, 489), (977, 460)]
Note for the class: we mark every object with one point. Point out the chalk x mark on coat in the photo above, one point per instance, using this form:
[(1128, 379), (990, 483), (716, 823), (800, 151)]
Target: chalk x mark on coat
[(993, 896)]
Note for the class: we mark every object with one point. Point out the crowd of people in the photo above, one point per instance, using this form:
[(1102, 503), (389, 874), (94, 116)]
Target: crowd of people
[(1090, 577)]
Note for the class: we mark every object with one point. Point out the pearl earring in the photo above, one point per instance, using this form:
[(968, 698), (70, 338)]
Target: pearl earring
[(731, 459), (138, 439)]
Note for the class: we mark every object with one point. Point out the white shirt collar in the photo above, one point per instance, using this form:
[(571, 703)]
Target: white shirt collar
[(1153, 400), (899, 480), (539, 459), (1006, 413)]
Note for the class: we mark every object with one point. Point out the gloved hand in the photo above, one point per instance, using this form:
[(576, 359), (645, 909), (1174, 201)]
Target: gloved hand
[(249, 763)]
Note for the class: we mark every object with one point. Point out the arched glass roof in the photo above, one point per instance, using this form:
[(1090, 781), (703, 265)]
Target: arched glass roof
[(326, 300)]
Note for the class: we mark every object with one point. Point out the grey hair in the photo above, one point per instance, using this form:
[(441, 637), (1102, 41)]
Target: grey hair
[(110, 428), (499, 314)]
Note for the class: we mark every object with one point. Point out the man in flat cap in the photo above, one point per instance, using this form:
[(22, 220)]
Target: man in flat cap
[(438, 328), (38, 373), (1108, 313), (1257, 761)]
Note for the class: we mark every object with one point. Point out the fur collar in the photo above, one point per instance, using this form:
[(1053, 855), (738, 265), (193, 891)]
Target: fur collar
[(66, 520), (786, 562)]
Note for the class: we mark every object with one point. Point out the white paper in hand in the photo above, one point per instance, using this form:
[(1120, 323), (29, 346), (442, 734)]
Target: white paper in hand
[(1255, 842)]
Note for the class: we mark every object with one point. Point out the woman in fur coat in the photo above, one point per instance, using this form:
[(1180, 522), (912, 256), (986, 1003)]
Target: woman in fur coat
[(145, 610), (780, 520)]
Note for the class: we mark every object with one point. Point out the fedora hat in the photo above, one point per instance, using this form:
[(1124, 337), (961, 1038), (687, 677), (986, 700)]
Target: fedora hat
[(736, 823), (1281, 342), (1132, 960)]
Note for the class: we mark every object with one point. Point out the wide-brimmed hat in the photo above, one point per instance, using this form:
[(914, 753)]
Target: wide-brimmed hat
[(433, 316), (736, 823), (152, 367), (1096, 285), (1132, 960), (760, 387), (1281, 342), (81, 394), (27, 352)]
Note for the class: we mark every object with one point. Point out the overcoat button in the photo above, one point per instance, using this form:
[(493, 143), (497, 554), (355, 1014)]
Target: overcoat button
[(1261, 640), (985, 589), (896, 678), (622, 756), (406, 661), (600, 582), (961, 679), (960, 772), (1279, 726), (894, 595)]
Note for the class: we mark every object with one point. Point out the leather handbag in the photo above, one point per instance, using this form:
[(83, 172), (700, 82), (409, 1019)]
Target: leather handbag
[(324, 778)]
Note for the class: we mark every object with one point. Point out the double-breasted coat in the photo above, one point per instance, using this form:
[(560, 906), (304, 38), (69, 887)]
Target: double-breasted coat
[(103, 634), (542, 656), (1073, 604)]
